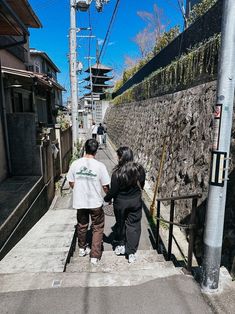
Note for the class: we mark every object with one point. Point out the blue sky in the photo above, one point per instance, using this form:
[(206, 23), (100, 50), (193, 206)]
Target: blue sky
[(53, 37)]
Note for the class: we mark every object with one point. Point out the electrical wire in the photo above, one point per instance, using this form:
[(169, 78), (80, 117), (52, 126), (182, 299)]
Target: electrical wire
[(90, 33), (109, 28), (114, 14)]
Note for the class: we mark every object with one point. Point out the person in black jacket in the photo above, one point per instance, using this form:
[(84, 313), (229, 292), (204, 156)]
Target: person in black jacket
[(100, 133), (127, 181)]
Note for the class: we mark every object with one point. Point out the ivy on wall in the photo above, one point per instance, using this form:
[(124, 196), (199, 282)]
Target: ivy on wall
[(199, 9), (162, 42), (199, 64)]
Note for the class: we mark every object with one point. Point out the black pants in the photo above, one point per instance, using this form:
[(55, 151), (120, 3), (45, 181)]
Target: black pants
[(128, 214)]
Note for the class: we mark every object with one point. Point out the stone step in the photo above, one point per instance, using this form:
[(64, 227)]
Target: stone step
[(144, 256), (110, 263), (121, 268)]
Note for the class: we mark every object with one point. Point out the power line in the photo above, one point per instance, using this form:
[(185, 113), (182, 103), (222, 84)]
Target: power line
[(114, 14), (90, 34), (109, 28)]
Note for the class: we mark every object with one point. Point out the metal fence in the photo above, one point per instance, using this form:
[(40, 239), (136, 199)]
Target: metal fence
[(171, 222), (203, 28)]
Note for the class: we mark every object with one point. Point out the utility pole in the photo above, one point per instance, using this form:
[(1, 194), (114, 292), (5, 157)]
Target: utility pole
[(73, 72), (220, 154), (82, 5)]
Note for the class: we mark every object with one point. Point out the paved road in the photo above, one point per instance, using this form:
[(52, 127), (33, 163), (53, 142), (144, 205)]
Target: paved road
[(177, 295)]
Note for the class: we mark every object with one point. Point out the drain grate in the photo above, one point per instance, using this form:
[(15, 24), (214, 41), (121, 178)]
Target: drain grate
[(56, 283)]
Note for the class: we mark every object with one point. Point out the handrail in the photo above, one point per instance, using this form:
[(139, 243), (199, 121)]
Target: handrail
[(190, 226), (183, 197)]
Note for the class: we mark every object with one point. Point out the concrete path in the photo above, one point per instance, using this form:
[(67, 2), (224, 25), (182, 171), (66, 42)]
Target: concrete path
[(176, 294), (32, 280), (45, 247)]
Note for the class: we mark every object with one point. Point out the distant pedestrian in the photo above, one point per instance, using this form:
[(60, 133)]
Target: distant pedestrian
[(127, 181), (105, 133), (94, 130), (87, 177), (100, 133)]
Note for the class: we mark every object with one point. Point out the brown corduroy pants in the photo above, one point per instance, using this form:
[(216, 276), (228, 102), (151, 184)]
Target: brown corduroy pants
[(97, 226)]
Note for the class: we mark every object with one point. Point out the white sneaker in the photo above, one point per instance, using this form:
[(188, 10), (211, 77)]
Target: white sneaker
[(83, 252), (131, 258), (94, 260), (120, 250)]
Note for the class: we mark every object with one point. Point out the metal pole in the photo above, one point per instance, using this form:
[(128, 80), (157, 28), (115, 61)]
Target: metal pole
[(191, 234), (73, 73), (158, 224), (91, 84), (172, 210), (220, 155)]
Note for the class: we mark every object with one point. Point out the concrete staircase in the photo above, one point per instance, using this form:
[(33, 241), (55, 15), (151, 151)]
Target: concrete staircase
[(115, 270)]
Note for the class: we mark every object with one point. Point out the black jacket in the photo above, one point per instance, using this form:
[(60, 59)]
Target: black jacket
[(125, 192), (100, 130)]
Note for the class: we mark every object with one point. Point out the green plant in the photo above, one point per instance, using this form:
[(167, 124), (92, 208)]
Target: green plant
[(199, 63), (78, 151), (200, 9), (166, 38), (63, 121), (162, 42)]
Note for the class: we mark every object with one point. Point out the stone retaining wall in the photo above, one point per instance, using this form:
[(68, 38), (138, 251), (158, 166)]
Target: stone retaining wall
[(185, 119)]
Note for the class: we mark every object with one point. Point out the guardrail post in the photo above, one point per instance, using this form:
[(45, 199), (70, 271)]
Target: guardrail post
[(172, 209), (158, 224), (191, 233)]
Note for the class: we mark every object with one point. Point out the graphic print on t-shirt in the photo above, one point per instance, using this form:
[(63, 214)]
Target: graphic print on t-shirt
[(85, 172)]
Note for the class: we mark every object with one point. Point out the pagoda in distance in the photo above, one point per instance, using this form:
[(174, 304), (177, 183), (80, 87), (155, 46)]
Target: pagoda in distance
[(97, 79)]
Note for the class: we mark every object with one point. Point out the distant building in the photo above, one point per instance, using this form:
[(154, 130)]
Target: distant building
[(42, 64), (97, 84), (98, 78)]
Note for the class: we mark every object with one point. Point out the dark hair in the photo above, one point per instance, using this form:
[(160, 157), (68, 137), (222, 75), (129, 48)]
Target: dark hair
[(126, 171), (125, 155), (91, 146)]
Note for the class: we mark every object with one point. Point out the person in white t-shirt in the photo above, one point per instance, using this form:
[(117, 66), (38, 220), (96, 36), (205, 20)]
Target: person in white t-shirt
[(94, 130), (88, 177)]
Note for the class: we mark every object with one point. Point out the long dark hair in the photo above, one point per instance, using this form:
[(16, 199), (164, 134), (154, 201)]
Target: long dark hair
[(127, 170)]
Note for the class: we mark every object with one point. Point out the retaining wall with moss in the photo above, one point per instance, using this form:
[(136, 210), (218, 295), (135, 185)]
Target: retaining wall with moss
[(185, 119)]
